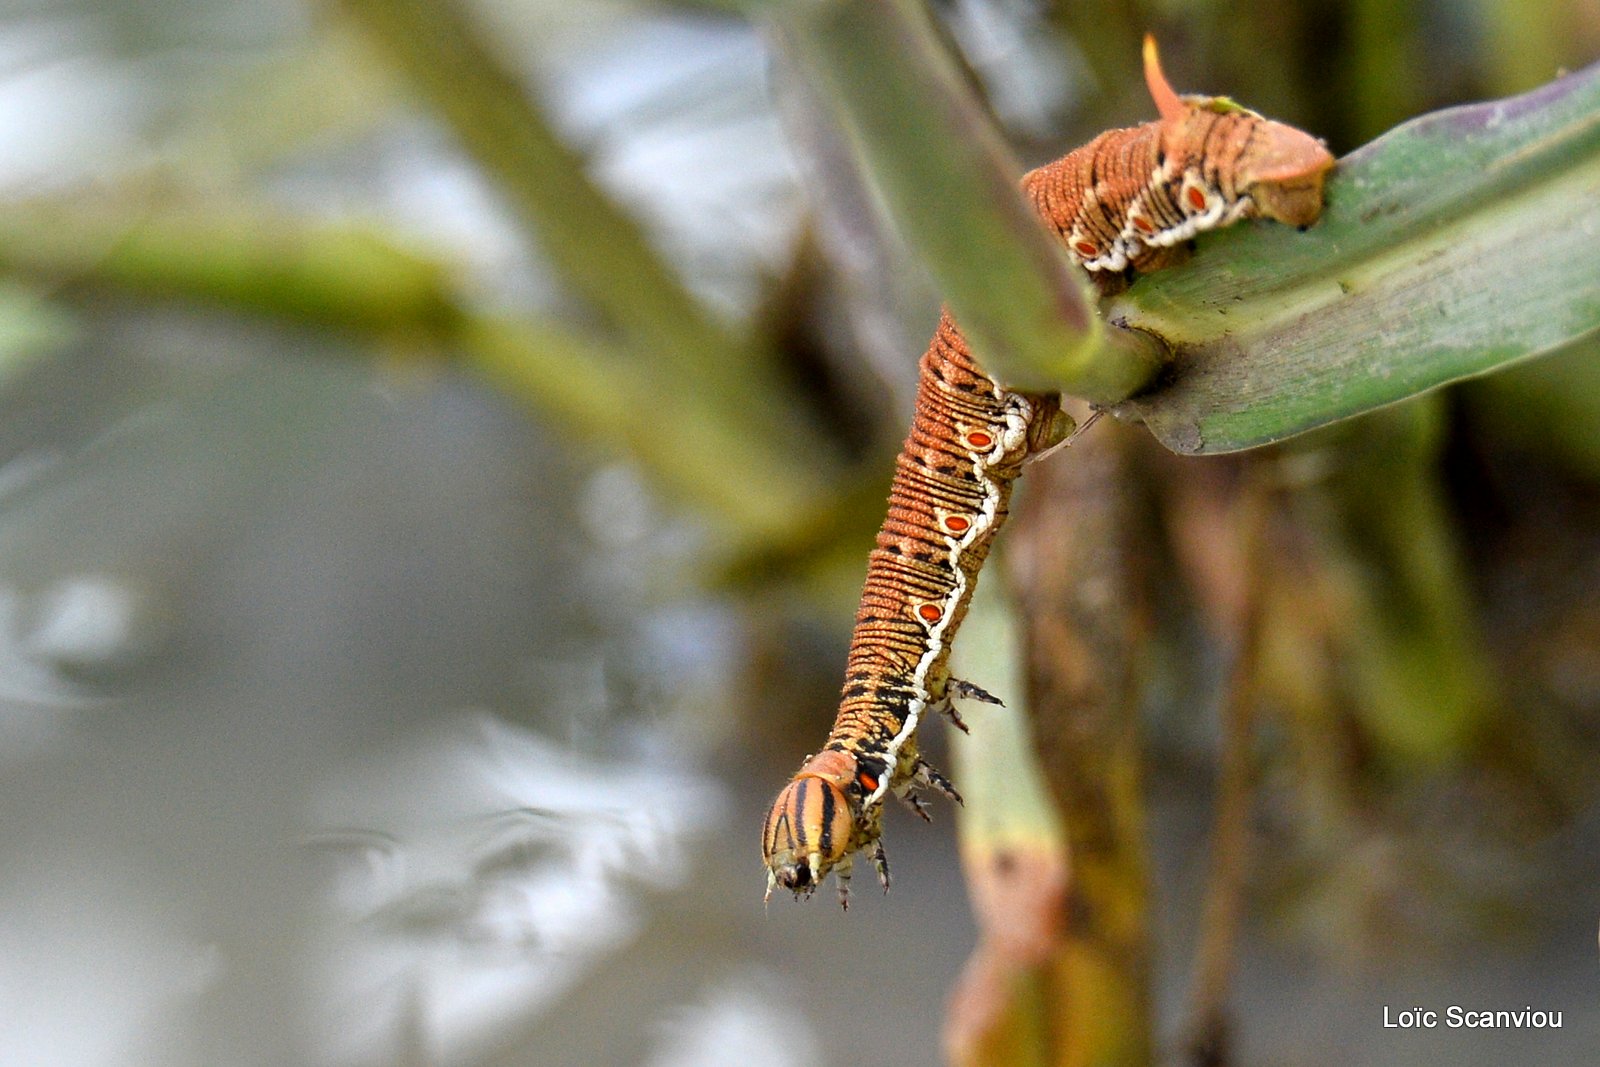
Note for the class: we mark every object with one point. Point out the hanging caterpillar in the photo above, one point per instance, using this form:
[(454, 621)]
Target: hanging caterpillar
[(1128, 201)]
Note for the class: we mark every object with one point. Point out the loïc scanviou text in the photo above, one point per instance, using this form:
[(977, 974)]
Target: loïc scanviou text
[(1457, 1017)]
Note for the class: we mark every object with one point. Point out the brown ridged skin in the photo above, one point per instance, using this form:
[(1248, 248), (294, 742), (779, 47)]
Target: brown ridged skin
[(948, 498), (913, 563), (1232, 154), (1118, 164), (1129, 201)]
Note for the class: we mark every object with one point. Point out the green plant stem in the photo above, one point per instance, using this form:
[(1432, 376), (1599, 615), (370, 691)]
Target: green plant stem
[(1410, 653), (758, 494), (1006, 1008), (596, 248), (361, 283), (951, 187), (347, 277)]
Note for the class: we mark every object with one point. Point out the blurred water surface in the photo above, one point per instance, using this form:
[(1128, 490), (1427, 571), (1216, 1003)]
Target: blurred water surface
[(343, 718)]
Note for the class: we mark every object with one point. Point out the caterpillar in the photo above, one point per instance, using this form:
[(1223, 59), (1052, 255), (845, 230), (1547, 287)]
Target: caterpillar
[(1128, 202)]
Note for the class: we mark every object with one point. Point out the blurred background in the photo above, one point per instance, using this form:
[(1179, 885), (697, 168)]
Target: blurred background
[(440, 445)]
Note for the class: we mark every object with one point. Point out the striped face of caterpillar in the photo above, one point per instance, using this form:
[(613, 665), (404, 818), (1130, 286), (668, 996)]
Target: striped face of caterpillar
[(1128, 201), (813, 826)]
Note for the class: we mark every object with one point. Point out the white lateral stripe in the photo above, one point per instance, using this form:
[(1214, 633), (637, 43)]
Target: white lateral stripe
[(1130, 239), (1017, 414)]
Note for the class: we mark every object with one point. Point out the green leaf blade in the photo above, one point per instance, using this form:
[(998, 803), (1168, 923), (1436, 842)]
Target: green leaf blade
[(1454, 245)]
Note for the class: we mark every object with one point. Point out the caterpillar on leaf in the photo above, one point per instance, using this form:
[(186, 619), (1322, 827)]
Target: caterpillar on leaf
[(1127, 202)]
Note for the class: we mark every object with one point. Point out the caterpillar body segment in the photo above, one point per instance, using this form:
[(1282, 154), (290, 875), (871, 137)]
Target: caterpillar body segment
[(951, 491), (1127, 202)]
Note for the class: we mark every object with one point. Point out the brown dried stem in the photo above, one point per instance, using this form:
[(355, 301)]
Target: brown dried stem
[(1209, 1027)]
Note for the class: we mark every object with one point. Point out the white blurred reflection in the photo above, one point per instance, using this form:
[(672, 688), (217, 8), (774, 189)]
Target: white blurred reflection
[(38, 699), (494, 870), (744, 1019), (88, 967)]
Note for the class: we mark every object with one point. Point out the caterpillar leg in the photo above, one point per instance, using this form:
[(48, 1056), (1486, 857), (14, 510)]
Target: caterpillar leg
[(1049, 427), (925, 774), (911, 800), (880, 861), (947, 707), (967, 691), (956, 689), (842, 874)]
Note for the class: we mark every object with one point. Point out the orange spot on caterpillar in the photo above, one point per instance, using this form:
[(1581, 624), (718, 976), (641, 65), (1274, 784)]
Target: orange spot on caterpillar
[(930, 612), (1086, 250), (1142, 224), (956, 524), (868, 782), (1197, 198), (979, 439)]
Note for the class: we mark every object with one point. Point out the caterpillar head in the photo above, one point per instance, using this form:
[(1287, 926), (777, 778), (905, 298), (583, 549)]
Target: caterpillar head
[(1284, 173), (812, 824), (1279, 168)]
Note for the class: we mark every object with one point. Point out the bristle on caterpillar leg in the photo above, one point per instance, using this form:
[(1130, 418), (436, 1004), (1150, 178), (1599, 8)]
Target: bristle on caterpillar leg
[(927, 775), (911, 800), (968, 691), (947, 708)]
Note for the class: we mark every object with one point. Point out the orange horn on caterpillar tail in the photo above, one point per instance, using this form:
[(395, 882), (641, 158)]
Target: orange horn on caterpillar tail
[(1281, 171), (1169, 105)]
